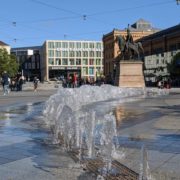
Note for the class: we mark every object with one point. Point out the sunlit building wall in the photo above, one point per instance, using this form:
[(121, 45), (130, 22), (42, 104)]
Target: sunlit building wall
[(5, 46)]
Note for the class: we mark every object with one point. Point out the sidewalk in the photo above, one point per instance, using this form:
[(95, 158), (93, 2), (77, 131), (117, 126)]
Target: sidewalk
[(25, 153)]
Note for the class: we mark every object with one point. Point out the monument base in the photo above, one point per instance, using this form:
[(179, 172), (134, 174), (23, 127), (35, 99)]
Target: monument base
[(129, 74)]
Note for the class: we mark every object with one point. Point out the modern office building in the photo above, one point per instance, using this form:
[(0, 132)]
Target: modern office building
[(29, 60), (66, 58), (139, 29), (159, 50)]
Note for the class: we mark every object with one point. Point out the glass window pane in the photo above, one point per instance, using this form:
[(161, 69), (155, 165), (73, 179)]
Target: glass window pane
[(91, 61), (72, 62), (78, 61), (64, 45), (71, 45), (51, 61), (78, 45), (64, 53), (98, 61), (64, 61), (91, 71), (57, 44), (58, 61), (91, 53), (50, 45), (51, 53), (85, 62), (85, 71), (71, 53)]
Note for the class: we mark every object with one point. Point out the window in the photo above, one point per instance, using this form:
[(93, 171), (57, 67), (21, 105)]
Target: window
[(91, 71), (91, 45), (51, 45), (85, 71), (64, 45), (33, 65), (58, 53), (91, 61), (85, 62), (98, 53), (71, 45), (57, 44), (98, 45), (98, 61), (64, 53), (78, 53), (37, 65), (64, 61), (85, 45), (26, 65), (71, 53), (85, 53), (91, 53), (51, 53), (78, 45), (51, 61), (78, 61), (72, 62), (58, 61)]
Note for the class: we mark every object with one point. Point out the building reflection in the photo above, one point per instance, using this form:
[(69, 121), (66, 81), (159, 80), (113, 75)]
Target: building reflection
[(120, 114)]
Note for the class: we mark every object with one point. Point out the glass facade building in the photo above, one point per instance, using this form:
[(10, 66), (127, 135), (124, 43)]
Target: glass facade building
[(63, 57)]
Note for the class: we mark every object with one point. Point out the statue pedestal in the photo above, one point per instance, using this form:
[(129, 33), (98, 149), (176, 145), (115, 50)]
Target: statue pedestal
[(129, 74)]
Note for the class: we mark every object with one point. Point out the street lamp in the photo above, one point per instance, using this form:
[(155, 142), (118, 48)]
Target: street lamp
[(178, 1)]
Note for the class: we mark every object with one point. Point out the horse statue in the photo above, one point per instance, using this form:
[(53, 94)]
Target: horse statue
[(129, 49)]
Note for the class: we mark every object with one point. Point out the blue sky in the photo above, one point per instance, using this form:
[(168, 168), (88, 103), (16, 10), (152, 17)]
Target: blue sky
[(31, 22)]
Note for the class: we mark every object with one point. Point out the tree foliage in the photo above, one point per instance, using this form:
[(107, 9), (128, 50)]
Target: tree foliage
[(8, 63), (174, 66)]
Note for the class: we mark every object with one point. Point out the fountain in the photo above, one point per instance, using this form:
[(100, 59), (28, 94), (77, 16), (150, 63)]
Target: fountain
[(81, 120)]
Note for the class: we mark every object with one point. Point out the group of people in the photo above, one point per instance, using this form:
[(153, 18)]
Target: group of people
[(164, 84), (15, 83), (75, 81)]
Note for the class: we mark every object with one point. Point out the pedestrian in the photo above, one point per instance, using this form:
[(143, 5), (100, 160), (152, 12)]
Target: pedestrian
[(35, 81), (5, 83), (20, 82)]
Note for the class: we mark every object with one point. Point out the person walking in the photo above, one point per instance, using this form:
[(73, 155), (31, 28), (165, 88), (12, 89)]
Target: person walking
[(5, 83), (35, 81)]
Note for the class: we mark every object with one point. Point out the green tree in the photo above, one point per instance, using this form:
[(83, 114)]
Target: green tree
[(174, 66), (8, 63)]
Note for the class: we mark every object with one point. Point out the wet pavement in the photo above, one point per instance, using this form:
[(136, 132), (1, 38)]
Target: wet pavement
[(155, 124), (26, 151)]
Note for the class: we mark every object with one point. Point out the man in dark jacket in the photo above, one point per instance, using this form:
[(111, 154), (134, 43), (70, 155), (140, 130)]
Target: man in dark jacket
[(5, 83)]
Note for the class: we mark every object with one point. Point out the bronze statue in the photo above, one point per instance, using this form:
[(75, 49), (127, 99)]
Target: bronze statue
[(129, 49)]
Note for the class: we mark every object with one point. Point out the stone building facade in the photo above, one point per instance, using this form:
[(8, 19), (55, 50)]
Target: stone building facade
[(159, 50), (138, 30)]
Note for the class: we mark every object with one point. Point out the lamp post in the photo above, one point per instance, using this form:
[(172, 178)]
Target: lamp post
[(178, 1)]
